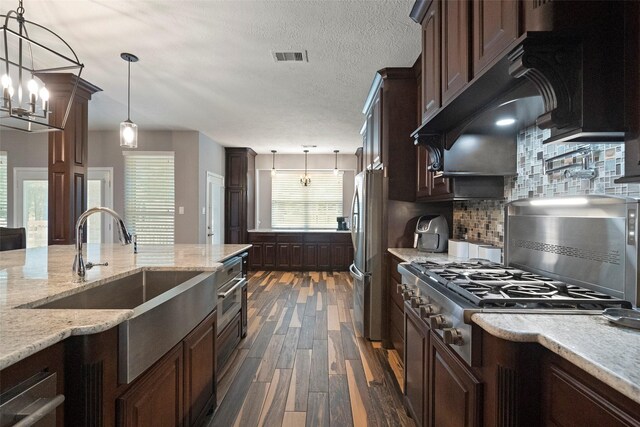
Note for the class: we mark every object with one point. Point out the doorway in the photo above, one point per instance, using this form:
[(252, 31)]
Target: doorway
[(99, 193), (214, 209)]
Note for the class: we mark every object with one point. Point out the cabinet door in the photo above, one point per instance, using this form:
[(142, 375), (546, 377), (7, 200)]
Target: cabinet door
[(431, 58), (324, 256), (416, 353), (235, 216), (423, 187), (199, 371), (454, 392), (495, 26), (440, 186), (296, 256), (337, 257), (283, 257), (245, 308), (256, 256), (455, 47), (310, 256), (376, 130), (156, 396), (269, 260)]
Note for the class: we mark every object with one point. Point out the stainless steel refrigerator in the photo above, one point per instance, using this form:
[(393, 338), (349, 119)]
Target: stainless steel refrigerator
[(366, 270)]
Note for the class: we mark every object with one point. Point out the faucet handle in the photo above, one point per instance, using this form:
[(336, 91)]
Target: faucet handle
[(90, 264)]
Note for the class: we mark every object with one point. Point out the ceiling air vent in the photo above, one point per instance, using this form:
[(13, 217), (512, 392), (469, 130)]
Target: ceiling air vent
[(300, 56)]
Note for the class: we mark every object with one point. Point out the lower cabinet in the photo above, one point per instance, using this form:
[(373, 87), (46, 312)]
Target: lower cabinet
[(301, 251), (228, 340), (454, 391), (157, 397), (416, 372)]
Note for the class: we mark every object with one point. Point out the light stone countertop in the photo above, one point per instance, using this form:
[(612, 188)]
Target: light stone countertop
[(296, 230), (31, 277), (411, 254), (609, 352)]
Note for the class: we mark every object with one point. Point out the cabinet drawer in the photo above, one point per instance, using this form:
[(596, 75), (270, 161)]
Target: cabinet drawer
[(227, 341), (341, 238), (317, 237), (395, 296), (262, 237), (289, 238), (393, 269)]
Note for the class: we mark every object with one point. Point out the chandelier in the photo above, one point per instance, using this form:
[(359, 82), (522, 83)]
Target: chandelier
[(306, 179), (31, 55)]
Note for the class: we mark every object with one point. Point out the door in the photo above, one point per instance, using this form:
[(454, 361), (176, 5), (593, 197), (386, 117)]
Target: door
[(99, 193), (214, 208), (31, 199)]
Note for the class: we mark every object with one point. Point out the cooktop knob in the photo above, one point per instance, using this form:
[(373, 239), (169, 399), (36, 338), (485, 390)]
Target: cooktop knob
[(452, 336), (427, 310), (401, 288), (437, 322), (406, 295), (417, 302)]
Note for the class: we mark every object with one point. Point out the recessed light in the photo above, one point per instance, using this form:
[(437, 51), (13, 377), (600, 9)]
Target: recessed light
[(505, 122)]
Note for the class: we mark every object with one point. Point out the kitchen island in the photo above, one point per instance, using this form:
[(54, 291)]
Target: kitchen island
[(51, 337)]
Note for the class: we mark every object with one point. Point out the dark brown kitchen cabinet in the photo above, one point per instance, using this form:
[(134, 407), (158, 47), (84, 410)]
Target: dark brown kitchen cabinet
[(199, 371), (455, 48), (240, 170), (454, 392), (430, 184), (416, 366), (156, 396), (395, 305), (495, 27), (227, 341), (571, 397), (301, 251), (48, 361), (431, 55)]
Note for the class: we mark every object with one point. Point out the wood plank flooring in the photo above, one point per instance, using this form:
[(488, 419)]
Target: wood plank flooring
[(302, 364)]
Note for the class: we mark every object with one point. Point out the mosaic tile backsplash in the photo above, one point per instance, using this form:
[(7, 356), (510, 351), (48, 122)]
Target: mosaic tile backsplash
[(483, 220)]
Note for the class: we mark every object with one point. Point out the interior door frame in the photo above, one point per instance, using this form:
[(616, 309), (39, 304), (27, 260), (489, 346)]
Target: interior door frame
[(107, 226), (210, 176)]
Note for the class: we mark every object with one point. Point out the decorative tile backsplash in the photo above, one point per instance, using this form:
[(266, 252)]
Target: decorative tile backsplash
[(483, 220)]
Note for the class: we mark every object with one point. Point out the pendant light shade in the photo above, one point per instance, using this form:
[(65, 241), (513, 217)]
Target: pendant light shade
[(31, 56), (273, 162), (128, 129), (305, 180), (335, 168)]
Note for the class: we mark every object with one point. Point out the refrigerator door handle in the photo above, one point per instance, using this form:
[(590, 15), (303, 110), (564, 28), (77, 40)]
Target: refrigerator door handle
[(355, 273), (354, 218)]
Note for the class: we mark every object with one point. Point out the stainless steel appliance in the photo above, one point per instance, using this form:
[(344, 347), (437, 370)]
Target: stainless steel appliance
[(568, 255), (230, 282), (432, 234), (32, 402), (366, 270)]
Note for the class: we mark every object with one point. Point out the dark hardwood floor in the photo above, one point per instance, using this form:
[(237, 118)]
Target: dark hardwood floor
[(302, 364)]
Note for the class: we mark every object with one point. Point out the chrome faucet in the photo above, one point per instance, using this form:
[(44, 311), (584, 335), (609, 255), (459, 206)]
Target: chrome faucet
[(123, 233)]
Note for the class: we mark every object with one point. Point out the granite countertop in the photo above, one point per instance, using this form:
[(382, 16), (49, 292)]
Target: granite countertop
[(31, 277), (296, 230), (412, 254), (608, 352)]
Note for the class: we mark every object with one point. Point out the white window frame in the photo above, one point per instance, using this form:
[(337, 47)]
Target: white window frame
[(143, 154), (105, 174), (5, 154), (21, 174)]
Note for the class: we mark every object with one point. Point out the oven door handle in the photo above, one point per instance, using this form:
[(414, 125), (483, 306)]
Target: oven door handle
[(45, 407), (240, 282)]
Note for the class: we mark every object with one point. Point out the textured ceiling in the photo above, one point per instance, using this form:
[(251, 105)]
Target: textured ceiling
[(207, 65)]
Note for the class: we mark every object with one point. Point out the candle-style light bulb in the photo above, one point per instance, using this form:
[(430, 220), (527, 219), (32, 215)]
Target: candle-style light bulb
[(6, 81), (32, 85), (44, 95)]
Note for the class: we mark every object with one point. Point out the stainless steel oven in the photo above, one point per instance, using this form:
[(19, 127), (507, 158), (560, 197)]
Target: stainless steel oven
[(230, 282)]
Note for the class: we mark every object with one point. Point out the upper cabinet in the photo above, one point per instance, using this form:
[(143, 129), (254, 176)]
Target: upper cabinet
[(495, 27), (568, 53)]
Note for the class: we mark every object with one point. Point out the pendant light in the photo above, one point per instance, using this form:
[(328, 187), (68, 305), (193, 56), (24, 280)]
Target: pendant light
[(335, 168), (128, 129), (31, 55), (305, 180), (273, 162)]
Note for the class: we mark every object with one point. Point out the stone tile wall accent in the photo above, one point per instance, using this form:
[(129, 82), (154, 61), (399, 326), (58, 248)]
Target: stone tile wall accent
[(484, 220)]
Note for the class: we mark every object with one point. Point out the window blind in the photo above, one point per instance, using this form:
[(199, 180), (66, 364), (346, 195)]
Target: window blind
[(150, 196), (315, 206), (3, 189)]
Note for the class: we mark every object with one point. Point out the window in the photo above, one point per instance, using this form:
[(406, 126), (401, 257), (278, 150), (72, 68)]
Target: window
[(149, 196), (31, 207), (315, 206), (3, 189)]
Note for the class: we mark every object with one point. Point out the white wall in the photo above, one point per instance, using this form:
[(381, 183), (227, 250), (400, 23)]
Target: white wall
[(211, 159), (346, 163)]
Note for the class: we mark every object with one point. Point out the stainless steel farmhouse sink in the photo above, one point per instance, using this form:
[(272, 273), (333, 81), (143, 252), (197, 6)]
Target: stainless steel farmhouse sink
[(166, 306)]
